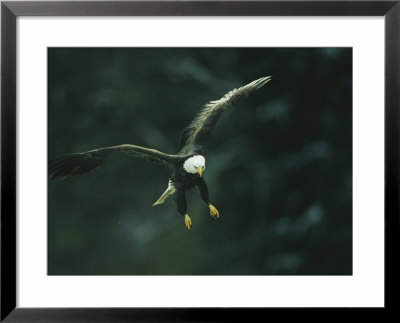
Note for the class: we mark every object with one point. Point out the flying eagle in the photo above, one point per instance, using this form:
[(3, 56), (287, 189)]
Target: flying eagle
[(187, 166)]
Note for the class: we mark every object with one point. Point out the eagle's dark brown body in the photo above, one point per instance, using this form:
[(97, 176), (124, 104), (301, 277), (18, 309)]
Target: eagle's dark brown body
[(184, 180)]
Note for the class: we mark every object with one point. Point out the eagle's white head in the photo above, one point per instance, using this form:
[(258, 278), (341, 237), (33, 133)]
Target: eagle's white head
[(195, 164)]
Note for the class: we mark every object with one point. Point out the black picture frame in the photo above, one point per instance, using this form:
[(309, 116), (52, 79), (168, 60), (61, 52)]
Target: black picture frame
[(11, 10)]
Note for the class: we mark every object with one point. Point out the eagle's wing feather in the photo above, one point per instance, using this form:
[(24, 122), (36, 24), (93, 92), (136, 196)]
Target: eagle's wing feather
[(197, 133), (76, 164)]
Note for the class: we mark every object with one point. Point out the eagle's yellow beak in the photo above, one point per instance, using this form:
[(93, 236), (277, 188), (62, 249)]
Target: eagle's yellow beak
[(200, 171)]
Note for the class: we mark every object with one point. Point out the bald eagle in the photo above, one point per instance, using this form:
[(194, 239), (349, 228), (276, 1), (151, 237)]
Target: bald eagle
[(187, 166)]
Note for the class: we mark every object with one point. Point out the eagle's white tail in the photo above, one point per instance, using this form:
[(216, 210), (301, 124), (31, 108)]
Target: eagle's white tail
[(169, 191)]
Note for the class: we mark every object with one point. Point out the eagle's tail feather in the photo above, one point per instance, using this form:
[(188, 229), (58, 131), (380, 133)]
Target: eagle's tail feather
[(169, 191)]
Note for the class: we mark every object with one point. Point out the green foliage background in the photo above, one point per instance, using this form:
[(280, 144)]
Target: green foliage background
[(279, 167)]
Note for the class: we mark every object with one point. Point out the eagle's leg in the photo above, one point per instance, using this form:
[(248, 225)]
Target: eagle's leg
[(180, 200), (202, 186)]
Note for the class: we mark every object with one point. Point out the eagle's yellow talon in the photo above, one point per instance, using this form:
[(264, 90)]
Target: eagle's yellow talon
[(188, 221), (213, 211)]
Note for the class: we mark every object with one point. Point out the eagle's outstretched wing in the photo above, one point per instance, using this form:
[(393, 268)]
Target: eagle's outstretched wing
[(76, 164), (195, 136)]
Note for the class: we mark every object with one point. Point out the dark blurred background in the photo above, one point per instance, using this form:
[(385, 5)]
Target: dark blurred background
[(279, 167)]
